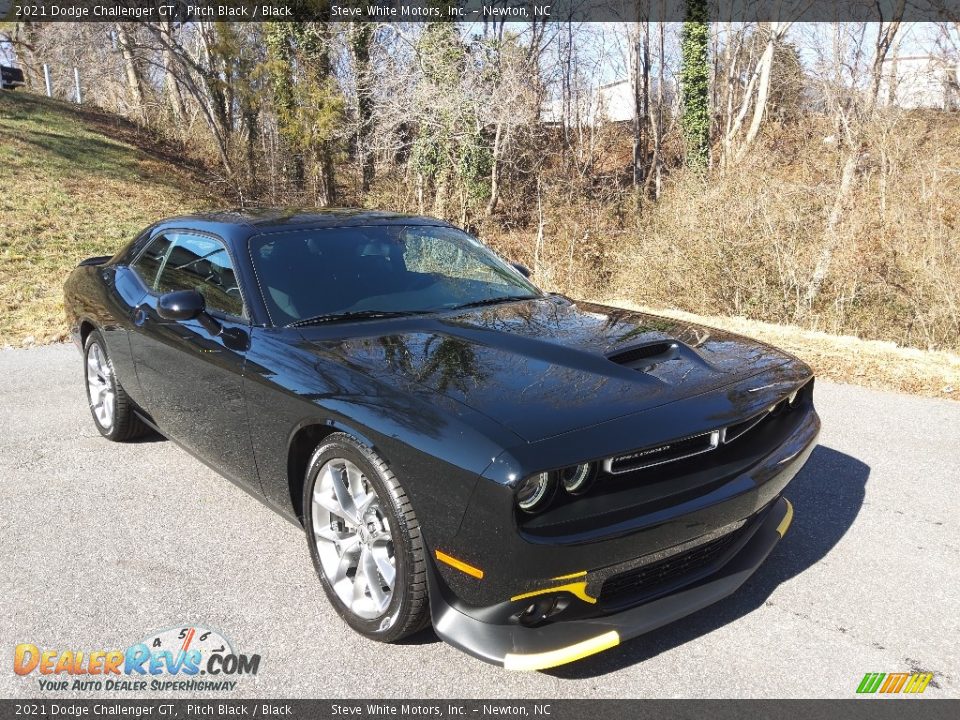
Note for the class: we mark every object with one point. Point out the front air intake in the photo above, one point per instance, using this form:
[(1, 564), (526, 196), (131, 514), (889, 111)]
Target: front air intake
[(644, 579)]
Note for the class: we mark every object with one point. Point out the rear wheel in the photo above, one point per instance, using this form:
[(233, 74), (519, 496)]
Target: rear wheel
[(110, 406), (365, 541)]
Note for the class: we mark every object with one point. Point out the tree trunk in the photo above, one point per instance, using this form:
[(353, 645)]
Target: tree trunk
[(134, 82), (764, 69), (656, 121), (640, 82), (695, 83), (831, 238), (498, 142), (253, 135), (440, 193), (361, 38), (538, 244), (280, 54), (170, 79), (313, 44), (326, 194)]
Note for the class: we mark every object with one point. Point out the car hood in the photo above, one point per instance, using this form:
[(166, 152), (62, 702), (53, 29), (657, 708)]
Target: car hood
[(547, 366)]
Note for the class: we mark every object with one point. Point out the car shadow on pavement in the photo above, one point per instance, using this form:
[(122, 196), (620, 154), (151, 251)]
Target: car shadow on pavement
[(149, 436), (827, 496)]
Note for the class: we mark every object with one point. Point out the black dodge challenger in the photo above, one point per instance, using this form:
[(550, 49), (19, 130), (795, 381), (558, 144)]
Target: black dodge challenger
[(540, 478)]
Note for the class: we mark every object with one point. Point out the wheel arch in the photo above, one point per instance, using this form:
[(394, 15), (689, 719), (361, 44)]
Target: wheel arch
[(86, 327), (304, 440)]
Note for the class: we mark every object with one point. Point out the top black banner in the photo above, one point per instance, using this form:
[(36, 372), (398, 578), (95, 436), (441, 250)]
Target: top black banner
[(481, 10)]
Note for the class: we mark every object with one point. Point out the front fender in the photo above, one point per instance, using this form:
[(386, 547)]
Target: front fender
[(436, 447)]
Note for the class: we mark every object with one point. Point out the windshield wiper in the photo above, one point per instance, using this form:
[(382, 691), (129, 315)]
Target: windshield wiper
[(494, 301), (356, 315)]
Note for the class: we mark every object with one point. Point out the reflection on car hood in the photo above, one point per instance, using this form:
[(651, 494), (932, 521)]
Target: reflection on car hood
[(542, 367)]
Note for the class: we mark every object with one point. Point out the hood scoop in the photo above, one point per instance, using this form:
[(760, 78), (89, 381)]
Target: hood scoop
[(644, 357)]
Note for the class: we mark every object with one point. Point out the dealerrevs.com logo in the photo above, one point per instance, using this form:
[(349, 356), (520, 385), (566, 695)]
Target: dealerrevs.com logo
[(187, 658)]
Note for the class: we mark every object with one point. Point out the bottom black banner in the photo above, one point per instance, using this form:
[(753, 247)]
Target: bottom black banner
[(865, 708)]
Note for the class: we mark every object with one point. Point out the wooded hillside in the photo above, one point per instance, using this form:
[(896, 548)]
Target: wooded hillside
[(763, 170)]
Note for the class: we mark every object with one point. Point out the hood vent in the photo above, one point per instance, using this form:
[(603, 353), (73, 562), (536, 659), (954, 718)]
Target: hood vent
[(644, 356)]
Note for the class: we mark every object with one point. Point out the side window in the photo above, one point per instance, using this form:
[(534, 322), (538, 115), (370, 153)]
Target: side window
[(202, 264), (151, 259)]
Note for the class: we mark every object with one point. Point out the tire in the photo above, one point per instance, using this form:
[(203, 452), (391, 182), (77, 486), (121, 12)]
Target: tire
[(118, 421), (337, 541)]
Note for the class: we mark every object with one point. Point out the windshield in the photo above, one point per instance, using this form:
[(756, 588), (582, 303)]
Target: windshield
[(375, 271)]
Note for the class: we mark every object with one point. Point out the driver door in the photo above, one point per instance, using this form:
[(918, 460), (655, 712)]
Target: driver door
[(192, 382)]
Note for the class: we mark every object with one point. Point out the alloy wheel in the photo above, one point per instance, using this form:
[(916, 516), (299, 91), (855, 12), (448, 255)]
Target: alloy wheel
[(100, 386), (353, 539)]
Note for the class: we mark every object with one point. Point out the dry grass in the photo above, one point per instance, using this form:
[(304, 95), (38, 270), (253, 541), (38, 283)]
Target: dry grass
[(72, 184), (870, 363), (746, 243)]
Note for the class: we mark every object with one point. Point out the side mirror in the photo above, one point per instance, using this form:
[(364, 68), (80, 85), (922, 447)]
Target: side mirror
[(522, 269), (188, 305), (181, 305)]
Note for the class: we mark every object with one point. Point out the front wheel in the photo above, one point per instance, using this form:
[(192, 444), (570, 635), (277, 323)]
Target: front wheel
[(365, 540)]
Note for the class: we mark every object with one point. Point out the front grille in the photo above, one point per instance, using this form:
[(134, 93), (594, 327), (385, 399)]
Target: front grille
[(647, 578), (683, 448), (668, 452)]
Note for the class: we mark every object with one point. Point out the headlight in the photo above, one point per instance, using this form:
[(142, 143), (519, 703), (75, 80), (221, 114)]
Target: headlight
[(576, 478), (534, 491)]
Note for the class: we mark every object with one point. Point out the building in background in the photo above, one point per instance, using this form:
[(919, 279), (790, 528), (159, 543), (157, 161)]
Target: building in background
[(913, 82), (609, 103)]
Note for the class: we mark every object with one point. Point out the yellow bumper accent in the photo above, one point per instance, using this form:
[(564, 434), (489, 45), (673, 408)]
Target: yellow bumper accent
[(459, 565), (544, 660), (571, 576), (787, 519), (578, 589)]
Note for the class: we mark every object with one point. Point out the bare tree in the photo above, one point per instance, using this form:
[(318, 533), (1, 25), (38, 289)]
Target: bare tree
[(855, 110), (171, 85), (639, 38), (134, 80), (195, 74), (752, 101)]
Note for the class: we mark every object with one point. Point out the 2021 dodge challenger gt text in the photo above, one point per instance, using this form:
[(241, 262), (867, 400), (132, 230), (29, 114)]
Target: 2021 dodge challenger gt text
[(540, 478)]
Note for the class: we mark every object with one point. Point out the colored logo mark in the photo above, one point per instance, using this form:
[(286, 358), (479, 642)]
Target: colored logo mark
[(889, 683)]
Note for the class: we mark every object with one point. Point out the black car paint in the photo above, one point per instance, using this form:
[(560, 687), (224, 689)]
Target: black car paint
[(462, 404)]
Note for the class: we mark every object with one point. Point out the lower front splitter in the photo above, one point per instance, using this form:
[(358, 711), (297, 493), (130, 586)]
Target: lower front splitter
[(516, 647)]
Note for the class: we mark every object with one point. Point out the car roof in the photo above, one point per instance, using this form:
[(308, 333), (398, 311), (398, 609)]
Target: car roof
[(241, 223)]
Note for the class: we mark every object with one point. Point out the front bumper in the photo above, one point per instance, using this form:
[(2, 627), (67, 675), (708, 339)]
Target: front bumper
[(517, 647)]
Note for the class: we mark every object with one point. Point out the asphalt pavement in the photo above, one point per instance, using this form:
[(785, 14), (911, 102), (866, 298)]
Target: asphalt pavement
[(103, 544)]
